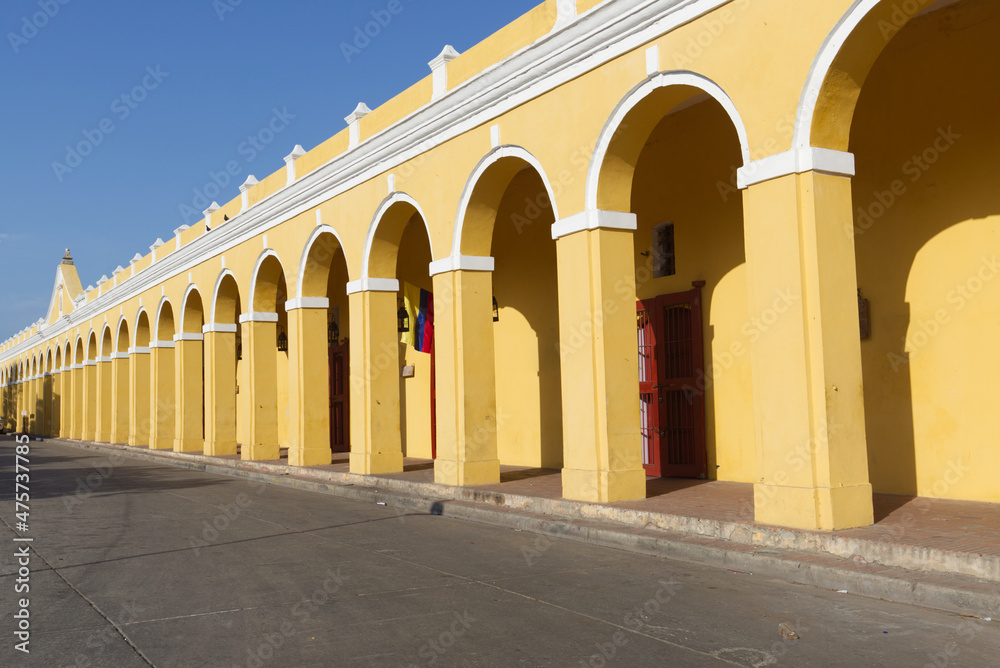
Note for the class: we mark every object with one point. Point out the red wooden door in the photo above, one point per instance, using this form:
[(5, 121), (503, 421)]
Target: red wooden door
[(340, 432), (671, 354)]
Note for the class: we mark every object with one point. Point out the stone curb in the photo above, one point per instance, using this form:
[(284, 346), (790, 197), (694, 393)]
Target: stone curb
[(916, 576)]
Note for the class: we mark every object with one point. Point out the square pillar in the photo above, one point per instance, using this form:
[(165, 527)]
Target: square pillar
[(189, 392), (602, 450), (119, 398), (47, 428), (309, 382), (812, 465), (89, 400), (32, 405), (376, 440), (220, 390), (78, 401), (465, 376), (105, 394), (259, 394), (140, 396), (162, 398)]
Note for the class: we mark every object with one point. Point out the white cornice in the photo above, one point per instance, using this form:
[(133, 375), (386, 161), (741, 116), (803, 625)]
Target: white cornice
[(598, 36)]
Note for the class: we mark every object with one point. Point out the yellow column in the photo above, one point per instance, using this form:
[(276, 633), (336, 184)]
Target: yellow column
[(78, 401), (105, 395), (161, 395), (812, 467), (376, 440), (66, 401), (89, 400), (47, 401), (308, 382), (189, 425), (259, 395), (120, 398), (140, 397), (220, 390), (20, 406), (602, 451), (465, 376), (30, 404)]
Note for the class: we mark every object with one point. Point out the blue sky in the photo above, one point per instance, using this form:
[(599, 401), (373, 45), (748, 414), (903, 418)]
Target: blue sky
[(209, 74)]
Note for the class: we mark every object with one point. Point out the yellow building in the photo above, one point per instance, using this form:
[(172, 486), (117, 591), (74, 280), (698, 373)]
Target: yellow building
[(746, 172)]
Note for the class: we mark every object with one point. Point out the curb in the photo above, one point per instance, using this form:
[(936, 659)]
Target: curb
[(785, 554)]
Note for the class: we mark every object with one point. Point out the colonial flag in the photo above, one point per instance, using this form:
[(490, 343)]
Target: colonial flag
[(419, 305)]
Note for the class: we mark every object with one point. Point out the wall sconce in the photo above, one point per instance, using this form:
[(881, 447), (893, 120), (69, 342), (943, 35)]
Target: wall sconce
[(282, 342), (402, 318), (333, 333), (496, 310)]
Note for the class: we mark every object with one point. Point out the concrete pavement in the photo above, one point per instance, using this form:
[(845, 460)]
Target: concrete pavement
[(137, 563)]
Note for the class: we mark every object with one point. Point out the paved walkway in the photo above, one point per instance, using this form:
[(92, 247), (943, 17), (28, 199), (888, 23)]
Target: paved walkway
[(925, 551)]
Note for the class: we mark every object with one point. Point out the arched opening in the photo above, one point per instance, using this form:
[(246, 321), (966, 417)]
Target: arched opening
[(190, 375), (120, 385), (91, 388), (324, 275), (400, 249), (78, 385), (926, 234), (509, 216), (223, 355), (105, 387), (139, 380), (162, 373), (670, 161), (265, 363)]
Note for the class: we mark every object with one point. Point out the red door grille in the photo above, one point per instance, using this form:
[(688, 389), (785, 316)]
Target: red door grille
[(672, 411), (340, 433)]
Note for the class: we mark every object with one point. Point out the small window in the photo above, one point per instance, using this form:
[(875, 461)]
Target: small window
[(664, 262)]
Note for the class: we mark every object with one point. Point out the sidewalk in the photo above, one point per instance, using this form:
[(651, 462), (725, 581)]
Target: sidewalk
[(929, 552)]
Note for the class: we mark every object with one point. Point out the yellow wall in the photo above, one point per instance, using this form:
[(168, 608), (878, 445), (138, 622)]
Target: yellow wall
[(689, 154), (926, 246), (415, 393), (526, 338)]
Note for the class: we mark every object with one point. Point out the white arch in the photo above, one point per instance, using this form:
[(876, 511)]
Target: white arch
[(100, 346), (122, 320), (256, 270), (384, 207), (641, 92), (832, 45), (491, 158), (155, 334), (135, 325), (316, 234), (184, 302), (215, 293)]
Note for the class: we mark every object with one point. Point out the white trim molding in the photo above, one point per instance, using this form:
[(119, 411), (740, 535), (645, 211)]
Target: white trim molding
[(373, 285), (796, 161), (354, 123), (215, 328), (89, 363), (307, 303), (594, 220), (290, 159), (161, 344), (188, 336), (258, 317), (139, 350), (106, 358), (76, 367), (439, 70), (119, 356), (462, 263)]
